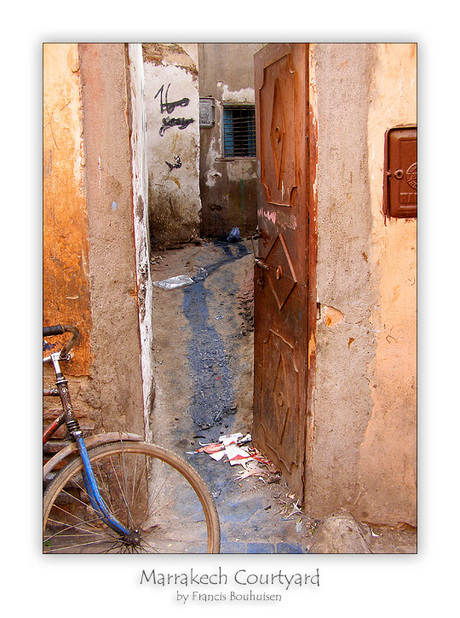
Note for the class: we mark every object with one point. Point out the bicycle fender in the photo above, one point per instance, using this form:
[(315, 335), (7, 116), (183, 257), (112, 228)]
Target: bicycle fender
[(90, 441)]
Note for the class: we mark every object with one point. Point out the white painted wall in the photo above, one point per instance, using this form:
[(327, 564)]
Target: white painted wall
[(141, 227), (172, 104)]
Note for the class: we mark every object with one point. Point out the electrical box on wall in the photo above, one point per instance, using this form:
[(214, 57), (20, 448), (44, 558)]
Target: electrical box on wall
[(206, 113), (400, 184)]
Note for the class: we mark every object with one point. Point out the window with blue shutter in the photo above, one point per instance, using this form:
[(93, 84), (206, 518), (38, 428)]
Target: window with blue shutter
[(239, 131)]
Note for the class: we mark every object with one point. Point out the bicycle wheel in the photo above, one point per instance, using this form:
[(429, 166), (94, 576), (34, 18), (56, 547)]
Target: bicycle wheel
[(154, 493)]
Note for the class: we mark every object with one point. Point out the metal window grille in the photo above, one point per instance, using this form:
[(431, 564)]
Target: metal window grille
[(239, 131)]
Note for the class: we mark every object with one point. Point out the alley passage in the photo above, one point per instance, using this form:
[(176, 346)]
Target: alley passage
[(204, 387)]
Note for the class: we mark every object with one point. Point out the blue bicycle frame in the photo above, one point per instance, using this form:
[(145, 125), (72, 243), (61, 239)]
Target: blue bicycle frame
[(68, 417)]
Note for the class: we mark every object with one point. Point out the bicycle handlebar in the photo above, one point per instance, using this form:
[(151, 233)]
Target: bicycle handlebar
[(51, 331)]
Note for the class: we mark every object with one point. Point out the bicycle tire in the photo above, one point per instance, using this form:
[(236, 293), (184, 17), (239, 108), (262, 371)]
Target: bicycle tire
[(183, 519)]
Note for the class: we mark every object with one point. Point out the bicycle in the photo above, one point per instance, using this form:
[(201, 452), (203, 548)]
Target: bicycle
[(114, 492)]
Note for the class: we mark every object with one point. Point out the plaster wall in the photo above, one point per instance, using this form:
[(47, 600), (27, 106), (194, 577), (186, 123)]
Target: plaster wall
[(172, 116), (66, 282), (93, 254), (363, 446), (228, 186), (344, 340), (138, 125), (388, 451), (115, 340), (66, 268)]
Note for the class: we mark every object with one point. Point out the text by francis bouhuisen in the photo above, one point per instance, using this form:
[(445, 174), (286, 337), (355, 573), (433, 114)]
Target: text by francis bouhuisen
[(241, 578)]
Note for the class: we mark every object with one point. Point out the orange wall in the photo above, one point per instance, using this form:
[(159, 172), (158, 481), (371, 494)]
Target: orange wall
[(388, 477), (66, 294), (364, 409)]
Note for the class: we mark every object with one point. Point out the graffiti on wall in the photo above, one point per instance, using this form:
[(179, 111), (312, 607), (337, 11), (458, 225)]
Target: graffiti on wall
[(165, 105), (176, 165), (182, 123), (169, 107)]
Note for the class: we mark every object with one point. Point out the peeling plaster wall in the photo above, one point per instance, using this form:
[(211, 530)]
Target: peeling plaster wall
[(95, 257), (115, 339), (363, 447), (228, 186), (172, 104), (66, 267), (141, 226), (66, 283)]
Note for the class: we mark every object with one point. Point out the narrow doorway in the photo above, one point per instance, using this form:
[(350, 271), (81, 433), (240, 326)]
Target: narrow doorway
[(204, 332)]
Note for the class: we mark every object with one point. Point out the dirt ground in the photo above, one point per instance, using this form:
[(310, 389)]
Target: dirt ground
[(203, 334), (204, 343)]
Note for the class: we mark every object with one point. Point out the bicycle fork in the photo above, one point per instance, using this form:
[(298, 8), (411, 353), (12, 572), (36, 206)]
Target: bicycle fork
[(89, 479)]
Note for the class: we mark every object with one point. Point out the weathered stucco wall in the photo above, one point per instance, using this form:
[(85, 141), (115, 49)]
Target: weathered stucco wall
[(388, 451), (91, 247), (66, 269), (363, 449), (172, 104), (228, 186), (345, 294), (115, 337), (138, 124), (96, 246), (66, 284)]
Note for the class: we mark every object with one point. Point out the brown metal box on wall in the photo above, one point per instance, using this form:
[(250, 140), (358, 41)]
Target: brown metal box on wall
[(400, 195)]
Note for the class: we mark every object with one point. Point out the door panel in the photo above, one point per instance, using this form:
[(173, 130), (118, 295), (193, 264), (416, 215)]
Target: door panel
[(281, 275)]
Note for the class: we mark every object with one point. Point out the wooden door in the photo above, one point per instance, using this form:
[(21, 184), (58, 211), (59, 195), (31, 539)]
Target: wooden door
[(283, 304)]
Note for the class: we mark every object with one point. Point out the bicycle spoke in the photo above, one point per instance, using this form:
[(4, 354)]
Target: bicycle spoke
[(97, 517), (74, 546), (154, 498), (123, 492), (91, 530)]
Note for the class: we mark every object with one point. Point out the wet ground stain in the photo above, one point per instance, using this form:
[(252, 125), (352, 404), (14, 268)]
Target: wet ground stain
[(214, 396)]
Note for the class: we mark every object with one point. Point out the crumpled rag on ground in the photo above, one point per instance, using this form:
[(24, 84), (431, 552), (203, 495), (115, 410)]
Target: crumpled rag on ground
[(238, 452)]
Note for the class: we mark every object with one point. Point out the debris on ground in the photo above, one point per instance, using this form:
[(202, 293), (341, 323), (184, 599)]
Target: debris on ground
[(182, 280), (174, 282), (235, 235), (293, 510), (238, 452), (201, 275)]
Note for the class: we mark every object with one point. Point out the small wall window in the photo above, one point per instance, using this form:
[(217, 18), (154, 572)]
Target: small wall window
[(239, 131)]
